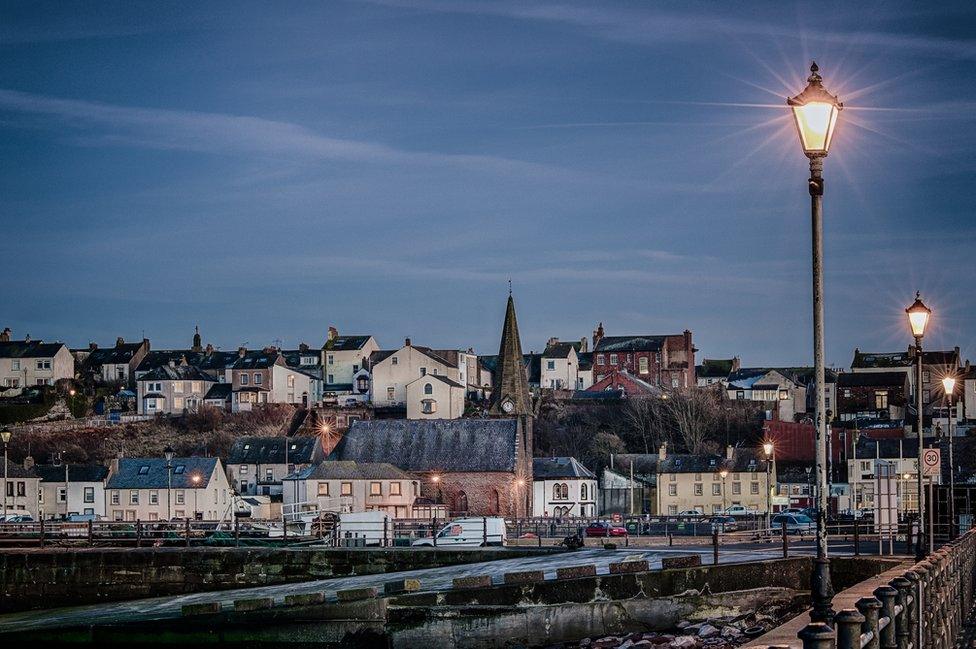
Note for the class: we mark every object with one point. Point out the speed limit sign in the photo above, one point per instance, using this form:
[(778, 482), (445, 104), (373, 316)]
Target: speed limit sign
[(931, 462)]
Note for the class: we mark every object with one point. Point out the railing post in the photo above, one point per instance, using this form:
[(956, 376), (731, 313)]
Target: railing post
[(91, 534), (886, 595), (433, 530), (914, 632), (869, 607), (786, 540), (715, 546), (42, 530), (138, 533), (902, 631), (484, 530), (848, 623), (237, 532), (857, 539), (817, 636), (924, 625), (188, 532)]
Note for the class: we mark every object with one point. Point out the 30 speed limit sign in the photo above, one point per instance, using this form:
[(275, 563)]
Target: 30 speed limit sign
[(931, 462)]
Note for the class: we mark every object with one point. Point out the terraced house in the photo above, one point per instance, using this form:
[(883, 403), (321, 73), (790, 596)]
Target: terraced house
[(156, 489), (33, 362), (667, 361)]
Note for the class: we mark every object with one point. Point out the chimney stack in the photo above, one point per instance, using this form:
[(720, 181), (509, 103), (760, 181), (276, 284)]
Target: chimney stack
[(302, 347), (209, 349), (241, 351), (28, 462), (662, 451), (119, 341), (333, 333), (584, 345), (5, 335), (406, 342), (552, 341), (27, 338), (92, 347), (729, 451), (597, 335)]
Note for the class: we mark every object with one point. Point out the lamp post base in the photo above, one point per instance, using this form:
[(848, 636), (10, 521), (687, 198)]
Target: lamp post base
[(821, 592)]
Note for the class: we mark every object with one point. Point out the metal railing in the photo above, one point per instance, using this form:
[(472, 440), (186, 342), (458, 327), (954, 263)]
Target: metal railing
[(924, 608)]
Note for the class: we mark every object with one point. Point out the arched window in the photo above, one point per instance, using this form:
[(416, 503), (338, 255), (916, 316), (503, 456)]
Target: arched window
[(555, 491), (461, 502), (565, 491), (583, 491), (428, 389), (494, 502)]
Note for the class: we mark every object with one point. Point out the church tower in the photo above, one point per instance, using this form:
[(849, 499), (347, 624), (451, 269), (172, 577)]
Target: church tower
[(197, 342), (510, 391)]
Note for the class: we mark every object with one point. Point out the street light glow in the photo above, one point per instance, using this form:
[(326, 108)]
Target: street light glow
[(768, 449), (918, 316), (949, 385), (815, 113)]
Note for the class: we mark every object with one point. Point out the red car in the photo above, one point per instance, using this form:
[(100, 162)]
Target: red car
[(604, 529)]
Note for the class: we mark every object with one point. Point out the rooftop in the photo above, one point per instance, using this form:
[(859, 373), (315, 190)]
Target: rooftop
[(151, 473), (549, 468)]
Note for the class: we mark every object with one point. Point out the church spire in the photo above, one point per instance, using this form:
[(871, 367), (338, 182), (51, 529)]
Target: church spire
[(510, 394), (197, 342)]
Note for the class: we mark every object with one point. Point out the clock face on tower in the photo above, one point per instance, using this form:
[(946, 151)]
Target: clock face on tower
[(508, 406)]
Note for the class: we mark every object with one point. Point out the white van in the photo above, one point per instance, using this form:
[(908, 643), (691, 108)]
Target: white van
[(468, 533), (373, 528)]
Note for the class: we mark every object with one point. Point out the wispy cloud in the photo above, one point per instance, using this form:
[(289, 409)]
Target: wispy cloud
[(226, 133)]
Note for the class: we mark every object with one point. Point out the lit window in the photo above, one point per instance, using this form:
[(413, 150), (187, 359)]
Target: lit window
[(375, 489), (323, 488), (395, 489), (346, 488)]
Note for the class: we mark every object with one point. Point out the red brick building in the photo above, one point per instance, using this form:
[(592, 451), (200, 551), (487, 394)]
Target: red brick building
[(667, 361), (629, 385)]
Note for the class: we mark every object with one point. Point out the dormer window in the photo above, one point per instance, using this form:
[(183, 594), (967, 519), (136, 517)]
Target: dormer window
[(180, 469), (144, 470)]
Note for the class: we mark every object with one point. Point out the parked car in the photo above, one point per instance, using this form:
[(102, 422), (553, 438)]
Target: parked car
[(604, 529), (22, 517), (738, 510), (469, 532), (795, 523), (792, 510), (689, 513), (725, 524)]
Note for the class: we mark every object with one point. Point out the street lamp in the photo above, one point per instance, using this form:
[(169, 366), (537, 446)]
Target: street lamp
[(815, 113), (195, 479), (918, 318), (168, 453), (5, 435), (769, 449), (949, 385), (724, 473)]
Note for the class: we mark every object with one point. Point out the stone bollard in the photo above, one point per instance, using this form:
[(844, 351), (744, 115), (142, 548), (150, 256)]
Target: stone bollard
[(886, 595), (356, 594), (255, 604), (304, 599), (475, 581), (401, 586), (525, 577), (623, 567), (817, 635), (204, 608), (848, 622), (575, 572), (870, 608)]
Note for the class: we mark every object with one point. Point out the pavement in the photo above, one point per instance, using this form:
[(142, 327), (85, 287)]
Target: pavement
[(432, 579)]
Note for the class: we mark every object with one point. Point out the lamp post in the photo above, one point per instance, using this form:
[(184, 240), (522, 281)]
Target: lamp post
[(769, 449), (168, 453), (815, 113), (195, 479), (918, 318), (949, 385), (5, 435), (724, 473)]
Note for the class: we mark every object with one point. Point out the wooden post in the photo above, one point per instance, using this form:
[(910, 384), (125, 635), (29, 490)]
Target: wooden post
[(786, 540), (857, 538), (484, 530), (187, 532), (91, 534), (237, 532), (42, 530), (138, 533), (715, 546)]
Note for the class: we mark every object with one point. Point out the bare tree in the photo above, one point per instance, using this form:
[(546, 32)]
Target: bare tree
[(646, 423), (693, 415)]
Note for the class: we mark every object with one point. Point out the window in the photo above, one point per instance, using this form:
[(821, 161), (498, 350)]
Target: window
[(926, 397), (179, 469), (323, 488), (740, 395), (346, 489), (133, 497), (245, 378), (375, 489), (244, 469), (115, 498), (847, 393), (642, 365), (395, 489), (43, 365), (62, 494), (153, 497), (331, 360), (550, 365), (15, 365), (697, 477), (391, 393), (258, 378), (269, 474), (754, 488), (881, 399), (180, 497), (672, 510), (736, 488), (144, 469), (699, 489), (784, 395), (428, 389), (673, 477), (716, 489), (291, 380), (196, 386), (613, 359), (243, 486), (599, 359), (423, 371), (672, 490), (395, 361), (178, 403), (428, 406), (583, 491), (330, 379), (177, 387), (925, 378)]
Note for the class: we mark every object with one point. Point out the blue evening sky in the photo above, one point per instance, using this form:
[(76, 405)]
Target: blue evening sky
[(269, 169)]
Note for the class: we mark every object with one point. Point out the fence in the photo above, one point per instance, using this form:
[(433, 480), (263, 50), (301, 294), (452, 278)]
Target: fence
[(923, 608)]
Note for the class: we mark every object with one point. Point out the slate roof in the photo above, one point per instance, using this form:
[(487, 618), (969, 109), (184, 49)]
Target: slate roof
[(743, 461), (871, 379), (888, 448), (347, 470), (630, 344), (151, 472), (550, 468), (560, 350), (715, 368), (645, 464), (177, 373), (271, 450), (346, 343), (441, 378), (219, 391), (880, 359), (532, 362), (293, 359), (382, 354), (116, 355), (32, 349), (610, 395), (76, 472), (214, 361), (451, 445), (15, 470), (256, 360), (946, 358)]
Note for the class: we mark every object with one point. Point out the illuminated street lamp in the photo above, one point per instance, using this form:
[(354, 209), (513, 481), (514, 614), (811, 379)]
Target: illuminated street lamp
[(949, 385), (724, 473), (918, 319), (5, 435), (195, 479), (769, 449), (168, 453), (815, 113)]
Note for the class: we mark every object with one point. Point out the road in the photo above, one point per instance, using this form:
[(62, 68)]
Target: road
[(432, 579)]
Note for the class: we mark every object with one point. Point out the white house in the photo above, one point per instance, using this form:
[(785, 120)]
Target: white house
[(346, 486), (72, 489), (21, 489), (260, 377), (563, 487), (257, 465), (393, 370), (33, 362), (344, 356), (154, 489), (435, 397), (172, 389), (560, 366)]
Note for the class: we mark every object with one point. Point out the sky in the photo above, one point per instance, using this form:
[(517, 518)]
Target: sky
[(266, 170)]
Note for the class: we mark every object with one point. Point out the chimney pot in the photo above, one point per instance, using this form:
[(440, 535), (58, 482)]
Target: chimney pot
[(92, 347), (5, 335), (406, 342), (28, 462), (241, 351), (119, 341)]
